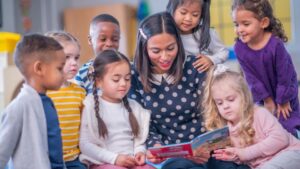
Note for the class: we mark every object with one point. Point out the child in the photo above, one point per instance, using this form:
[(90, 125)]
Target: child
[(29, 129), (257, 137), (192, 18), (104, 34), (68, 100), (114, 128), (267, 66)]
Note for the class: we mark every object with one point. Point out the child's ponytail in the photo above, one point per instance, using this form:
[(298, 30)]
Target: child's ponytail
[(102, 129), (133, 122)]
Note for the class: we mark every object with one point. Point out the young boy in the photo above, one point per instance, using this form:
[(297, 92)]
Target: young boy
[(29, 129), (104, 34), (68, 100)]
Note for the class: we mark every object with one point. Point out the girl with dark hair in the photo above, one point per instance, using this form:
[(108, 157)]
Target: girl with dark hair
[(267, 65), (192, 18), (165, 82), (114, 129)]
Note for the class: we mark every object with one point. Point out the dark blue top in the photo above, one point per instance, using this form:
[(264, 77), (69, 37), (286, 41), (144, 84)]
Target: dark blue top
[(54, 134), (175, 115)]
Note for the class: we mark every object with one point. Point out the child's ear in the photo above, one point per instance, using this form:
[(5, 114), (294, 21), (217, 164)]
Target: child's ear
[(38, 67), (90, 40), (98, 83), (265, 22)]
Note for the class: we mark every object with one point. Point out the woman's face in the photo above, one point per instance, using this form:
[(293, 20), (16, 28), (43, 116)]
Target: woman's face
[(162, 50)]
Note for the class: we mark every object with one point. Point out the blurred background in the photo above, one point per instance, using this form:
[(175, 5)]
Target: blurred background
[(28, 16)]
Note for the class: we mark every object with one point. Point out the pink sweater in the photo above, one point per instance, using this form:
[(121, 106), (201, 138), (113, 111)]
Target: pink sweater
[(270, 139)]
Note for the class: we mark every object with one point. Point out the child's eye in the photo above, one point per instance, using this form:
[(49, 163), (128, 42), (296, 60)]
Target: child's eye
[(170, 48), (116, 39), (128, 78), (195, 15), (102, 39), (183, 12), (68, 57), (77, 57)]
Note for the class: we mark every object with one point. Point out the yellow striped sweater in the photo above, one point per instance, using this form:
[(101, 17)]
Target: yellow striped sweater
[(68, 102)]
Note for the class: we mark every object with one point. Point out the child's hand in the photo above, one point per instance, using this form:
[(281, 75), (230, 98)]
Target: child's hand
[(270, 104), (227, 154), (200, 156), (284, 109), (140, 158), (154, 159), (125, 161), (202, 63)]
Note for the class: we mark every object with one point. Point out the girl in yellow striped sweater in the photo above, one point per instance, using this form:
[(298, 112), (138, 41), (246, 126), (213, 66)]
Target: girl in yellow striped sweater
[(68, 100)]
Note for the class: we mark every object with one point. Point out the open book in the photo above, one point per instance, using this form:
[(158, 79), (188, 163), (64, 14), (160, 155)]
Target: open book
[(208, 141)]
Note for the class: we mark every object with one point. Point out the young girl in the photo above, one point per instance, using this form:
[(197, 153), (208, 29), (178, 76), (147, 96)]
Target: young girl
[(267, 66), (192, 18), (114, 128), (68, 100), (257, 137)]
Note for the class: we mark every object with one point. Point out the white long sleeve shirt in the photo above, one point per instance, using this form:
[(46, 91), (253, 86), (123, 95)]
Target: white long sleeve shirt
[(216, 51), (120, 140)]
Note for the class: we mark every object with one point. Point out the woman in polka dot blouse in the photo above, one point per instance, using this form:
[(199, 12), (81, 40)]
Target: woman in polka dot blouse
[(165, 82)]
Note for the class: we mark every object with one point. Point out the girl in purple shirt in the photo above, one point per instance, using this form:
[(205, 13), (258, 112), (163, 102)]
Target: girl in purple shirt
[(265, 62)]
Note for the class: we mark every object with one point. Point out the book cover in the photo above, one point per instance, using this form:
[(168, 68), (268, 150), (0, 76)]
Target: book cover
[(208, 141)]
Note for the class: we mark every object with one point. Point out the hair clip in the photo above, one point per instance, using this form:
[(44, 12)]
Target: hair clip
[(142, 33), (91, 70), (219, 69)]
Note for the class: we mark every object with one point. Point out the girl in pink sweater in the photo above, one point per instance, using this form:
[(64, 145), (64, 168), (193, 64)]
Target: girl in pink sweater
[(258, 139)]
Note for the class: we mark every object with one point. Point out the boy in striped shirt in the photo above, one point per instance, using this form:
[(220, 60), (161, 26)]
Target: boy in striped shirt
[(104, 34)]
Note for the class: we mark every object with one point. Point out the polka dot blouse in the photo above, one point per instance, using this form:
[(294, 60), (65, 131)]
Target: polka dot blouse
[(175, 117)]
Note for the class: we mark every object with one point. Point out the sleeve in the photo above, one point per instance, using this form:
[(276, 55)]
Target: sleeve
[(276, 138), (136, 86), (10, 131), (153, 137), (144, 119), (90, 143), (217, 48), (257, 88), (287, 87)]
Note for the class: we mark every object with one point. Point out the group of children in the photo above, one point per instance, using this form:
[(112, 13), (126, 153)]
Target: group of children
[(55, 123)]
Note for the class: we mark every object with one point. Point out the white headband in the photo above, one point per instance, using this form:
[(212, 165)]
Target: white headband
[(220, 68)]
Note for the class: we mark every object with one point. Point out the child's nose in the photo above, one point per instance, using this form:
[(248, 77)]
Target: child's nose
[(188, 17), (109, 43)]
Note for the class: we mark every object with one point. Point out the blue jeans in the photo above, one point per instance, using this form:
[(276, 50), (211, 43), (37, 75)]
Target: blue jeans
[(75, 164), (182, 163)]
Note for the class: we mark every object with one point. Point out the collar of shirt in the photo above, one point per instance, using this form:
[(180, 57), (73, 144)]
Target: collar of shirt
[(158, 78)]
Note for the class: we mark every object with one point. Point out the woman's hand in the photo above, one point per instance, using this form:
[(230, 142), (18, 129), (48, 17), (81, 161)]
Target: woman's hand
[(200, 156), (140, 158), (152, 158), (202, 63), (227, 154), (284, 109), (125, 161)]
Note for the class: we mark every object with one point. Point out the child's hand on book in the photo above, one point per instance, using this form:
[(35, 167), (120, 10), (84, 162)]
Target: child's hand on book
[(200, 156), (140, 158), (227, 154), (152, 158), (127, 161)]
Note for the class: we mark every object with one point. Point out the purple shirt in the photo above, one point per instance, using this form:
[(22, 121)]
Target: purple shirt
[(270, 73)]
